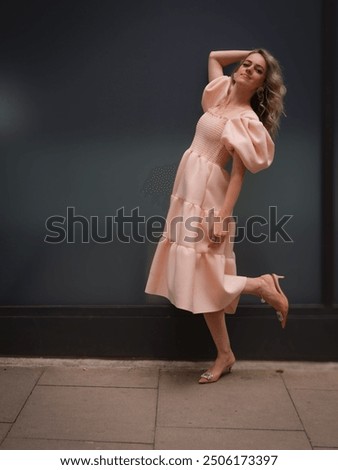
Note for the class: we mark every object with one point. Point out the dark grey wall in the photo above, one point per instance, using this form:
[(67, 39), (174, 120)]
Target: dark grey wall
[(336, 163), (100, 99)]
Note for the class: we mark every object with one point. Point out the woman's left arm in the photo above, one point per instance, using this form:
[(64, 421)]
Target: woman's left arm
[(235, 186), (232, 194)]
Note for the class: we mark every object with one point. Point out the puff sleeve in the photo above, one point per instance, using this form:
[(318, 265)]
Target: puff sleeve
[(215, 91), (248, 139)]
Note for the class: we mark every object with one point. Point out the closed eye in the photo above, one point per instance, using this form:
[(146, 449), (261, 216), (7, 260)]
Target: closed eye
[(258, 68)]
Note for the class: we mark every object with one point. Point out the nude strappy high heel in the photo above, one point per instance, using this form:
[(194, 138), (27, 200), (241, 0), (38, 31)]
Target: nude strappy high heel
[(280, 302), (208, 378)]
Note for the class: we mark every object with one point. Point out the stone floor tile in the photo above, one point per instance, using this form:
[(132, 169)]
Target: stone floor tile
[(101, 377), (4, 428), (242, 399), (307, 379), (51, 444), (88, 413), (208, 439), (318, 410), (16, 383)]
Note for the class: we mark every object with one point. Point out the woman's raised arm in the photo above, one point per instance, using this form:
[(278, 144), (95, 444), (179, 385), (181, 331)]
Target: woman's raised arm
[(220, 59)]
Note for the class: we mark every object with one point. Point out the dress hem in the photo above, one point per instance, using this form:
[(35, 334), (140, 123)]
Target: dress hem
[(231, 310)]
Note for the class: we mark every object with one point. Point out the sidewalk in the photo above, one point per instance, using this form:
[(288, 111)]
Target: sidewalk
[(103, 404)]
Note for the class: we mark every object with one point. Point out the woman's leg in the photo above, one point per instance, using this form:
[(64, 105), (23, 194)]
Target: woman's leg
[(253, 286), (263, 286), (225, 357)]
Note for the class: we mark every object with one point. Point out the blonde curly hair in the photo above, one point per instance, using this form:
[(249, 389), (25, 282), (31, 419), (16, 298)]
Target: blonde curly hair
[(268, 102)]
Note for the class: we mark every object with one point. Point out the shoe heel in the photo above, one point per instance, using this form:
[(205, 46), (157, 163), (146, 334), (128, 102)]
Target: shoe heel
[(275, 278)]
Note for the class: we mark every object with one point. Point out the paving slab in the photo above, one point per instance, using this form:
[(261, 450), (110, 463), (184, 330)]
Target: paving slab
[(102, 377), (16, 383), (307, 379), (88, 414), (4, 428), (318, 410), (52, 444), (243, 399), (208, 439)]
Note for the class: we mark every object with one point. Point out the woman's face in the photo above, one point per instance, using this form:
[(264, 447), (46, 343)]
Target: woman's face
[(252, 72)]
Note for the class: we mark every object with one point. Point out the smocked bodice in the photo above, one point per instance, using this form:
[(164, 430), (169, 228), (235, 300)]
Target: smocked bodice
[(207, 140)]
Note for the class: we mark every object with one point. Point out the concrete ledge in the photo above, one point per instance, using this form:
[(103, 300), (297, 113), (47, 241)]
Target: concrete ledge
[(163, 332)]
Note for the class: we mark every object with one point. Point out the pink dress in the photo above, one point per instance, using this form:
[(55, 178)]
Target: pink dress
[(193, 273)]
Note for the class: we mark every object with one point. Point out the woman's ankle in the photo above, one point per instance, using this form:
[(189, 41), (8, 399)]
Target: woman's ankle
[(225, 356), (253, 286)]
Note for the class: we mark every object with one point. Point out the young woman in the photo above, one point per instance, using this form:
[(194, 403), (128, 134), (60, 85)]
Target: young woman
[(194, 265)]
